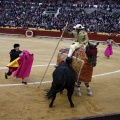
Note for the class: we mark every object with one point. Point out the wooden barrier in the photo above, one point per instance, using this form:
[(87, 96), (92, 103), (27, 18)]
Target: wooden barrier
[(12, 31), (92, 36), (114, 116)]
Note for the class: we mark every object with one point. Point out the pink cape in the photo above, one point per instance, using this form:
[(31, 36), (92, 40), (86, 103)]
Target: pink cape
[(25, 61), (108, 51)]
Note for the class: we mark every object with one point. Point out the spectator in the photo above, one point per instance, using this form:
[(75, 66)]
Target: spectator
[(24, 14)]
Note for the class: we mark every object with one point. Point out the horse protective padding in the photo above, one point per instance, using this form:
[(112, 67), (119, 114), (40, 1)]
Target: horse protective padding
[(76, 63), (83, 70)]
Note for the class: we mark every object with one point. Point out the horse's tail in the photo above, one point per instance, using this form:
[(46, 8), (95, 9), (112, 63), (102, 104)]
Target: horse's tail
[(52, 90)]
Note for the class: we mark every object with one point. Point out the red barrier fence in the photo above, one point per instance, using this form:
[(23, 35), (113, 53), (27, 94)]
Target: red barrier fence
[(92, 36)]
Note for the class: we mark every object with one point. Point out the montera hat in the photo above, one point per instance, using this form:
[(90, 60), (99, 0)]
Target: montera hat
[(16, 45)]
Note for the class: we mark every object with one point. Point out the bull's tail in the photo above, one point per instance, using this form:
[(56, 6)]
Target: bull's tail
[(51, 91)]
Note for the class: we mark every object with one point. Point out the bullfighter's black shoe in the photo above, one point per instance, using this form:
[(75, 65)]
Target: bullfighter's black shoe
[(24, 83), (6, 77)]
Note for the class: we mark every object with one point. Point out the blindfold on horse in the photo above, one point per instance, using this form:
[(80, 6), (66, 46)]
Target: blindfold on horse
[(91, 53)]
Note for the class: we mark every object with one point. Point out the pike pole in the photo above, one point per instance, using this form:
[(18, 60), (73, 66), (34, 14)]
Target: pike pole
[(53, 54)]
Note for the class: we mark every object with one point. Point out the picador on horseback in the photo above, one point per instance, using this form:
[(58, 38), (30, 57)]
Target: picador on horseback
[(81, 55), (81, 39)]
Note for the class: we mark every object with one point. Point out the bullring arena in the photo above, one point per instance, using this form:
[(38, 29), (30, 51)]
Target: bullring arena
[(28, 102)]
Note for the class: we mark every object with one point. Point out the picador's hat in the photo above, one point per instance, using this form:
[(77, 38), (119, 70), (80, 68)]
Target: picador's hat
[(78, 27)]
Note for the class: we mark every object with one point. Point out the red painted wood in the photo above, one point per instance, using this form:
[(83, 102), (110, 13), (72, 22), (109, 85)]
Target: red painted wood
[(92, 36)]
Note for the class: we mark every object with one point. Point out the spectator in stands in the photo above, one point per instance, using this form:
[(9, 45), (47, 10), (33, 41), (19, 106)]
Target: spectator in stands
[(24, 14)]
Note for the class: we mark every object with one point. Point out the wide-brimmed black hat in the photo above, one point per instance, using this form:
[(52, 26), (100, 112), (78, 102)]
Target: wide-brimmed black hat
[(16, 45)]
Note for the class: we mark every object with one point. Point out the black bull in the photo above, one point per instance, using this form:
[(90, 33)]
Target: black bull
[(63, 77)]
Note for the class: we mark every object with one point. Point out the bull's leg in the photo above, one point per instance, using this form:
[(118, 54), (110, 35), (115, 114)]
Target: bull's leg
[(53, 98), (69, 93), (89, 92), (78, 89), (61, 92)]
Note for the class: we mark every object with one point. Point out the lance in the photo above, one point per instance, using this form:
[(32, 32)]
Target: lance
[(53, 54)]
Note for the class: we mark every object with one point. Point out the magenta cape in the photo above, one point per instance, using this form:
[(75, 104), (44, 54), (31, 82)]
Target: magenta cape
[(25, 61), (108, 51)]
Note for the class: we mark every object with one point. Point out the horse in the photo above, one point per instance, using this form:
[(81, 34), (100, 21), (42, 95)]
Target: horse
[(91, 54), (63, 77), (88, 58)]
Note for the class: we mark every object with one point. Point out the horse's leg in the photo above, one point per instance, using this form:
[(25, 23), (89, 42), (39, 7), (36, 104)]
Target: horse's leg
[(69, 93), (53, 98), (78, 89), (89, 92)]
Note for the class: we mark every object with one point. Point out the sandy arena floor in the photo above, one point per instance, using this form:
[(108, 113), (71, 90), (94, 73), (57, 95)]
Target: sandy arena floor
[(27, 102)]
